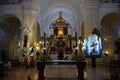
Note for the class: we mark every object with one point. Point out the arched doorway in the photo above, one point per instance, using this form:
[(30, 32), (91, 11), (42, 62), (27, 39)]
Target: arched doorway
[(10, 35), (109, 30)]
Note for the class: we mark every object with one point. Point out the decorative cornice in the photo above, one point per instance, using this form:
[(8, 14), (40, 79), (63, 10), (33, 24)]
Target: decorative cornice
[(10, 2), (110, 1), (31, 6)]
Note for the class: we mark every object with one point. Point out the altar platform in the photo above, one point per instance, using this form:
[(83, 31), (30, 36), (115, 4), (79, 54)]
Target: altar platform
[(80, 67), (57, 72)]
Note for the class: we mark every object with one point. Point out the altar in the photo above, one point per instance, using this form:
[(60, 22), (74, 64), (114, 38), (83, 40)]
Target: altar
[(61, 39), (41, 66)]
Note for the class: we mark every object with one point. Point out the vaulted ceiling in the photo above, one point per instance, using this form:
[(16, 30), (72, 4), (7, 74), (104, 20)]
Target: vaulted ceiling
[(50, 11)]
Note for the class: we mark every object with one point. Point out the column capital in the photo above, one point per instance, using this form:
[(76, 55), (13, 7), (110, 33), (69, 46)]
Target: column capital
[(31, 5), (86, 3), (25, 29)]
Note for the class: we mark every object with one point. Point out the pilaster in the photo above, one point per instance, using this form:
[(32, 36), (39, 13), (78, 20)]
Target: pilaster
[(119, 26), (30, 13), (90, 15)]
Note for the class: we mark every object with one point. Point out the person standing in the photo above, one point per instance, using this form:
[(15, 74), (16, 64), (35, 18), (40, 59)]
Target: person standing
[(32, 57), (25, 62)]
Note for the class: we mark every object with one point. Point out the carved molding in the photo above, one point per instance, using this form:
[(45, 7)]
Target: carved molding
[(10, 2), (25, 29), (110, 1)]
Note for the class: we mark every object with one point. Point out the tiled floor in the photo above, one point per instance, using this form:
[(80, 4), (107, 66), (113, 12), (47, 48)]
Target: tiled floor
[(56, 72)]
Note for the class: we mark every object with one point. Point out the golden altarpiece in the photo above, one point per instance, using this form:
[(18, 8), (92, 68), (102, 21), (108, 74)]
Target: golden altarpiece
[(61, 40)]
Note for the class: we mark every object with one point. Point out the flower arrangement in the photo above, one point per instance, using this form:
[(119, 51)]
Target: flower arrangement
[(45, 57), (78, 57), (48, 38), (42, 56), (25, 50)]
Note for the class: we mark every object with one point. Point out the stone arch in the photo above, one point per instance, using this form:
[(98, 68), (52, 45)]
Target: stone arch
[(9, 15), (109, 26), (10, 26), (68, 13), (109, 21), (62, 7)]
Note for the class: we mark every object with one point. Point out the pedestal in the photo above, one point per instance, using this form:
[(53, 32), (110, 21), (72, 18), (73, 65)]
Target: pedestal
[(93, 62), (41, 72), (81, 68)]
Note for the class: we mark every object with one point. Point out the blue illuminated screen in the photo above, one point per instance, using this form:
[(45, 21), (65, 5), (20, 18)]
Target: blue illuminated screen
[(93, 45)]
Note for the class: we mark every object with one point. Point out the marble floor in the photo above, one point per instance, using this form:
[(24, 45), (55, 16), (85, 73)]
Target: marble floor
[(56, 72)]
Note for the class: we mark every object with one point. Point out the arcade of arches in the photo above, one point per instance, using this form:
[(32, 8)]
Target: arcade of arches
[(58, 27)]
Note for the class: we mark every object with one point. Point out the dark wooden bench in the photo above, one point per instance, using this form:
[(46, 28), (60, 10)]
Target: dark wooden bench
[(114, 69), (114, 66)]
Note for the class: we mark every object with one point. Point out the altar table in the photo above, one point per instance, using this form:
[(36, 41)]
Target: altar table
[(80, 65)]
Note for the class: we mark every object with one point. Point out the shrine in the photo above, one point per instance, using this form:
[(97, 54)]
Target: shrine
[(61, 41)]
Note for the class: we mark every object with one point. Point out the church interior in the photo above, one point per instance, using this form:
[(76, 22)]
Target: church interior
[(60, 39)]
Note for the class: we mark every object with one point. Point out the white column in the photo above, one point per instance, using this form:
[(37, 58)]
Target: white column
[(90, 15), (30, 12), (34, 37)]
